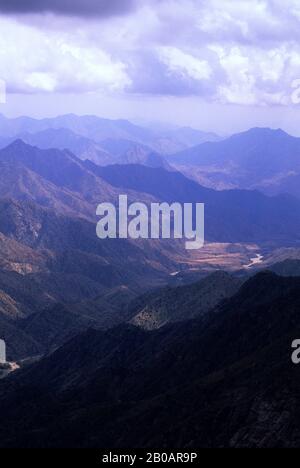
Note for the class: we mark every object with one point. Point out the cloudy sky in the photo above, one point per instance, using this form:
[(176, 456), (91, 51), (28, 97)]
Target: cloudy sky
[(221, 65)]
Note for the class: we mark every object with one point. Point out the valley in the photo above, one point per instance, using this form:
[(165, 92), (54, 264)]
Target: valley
[(56, 275), (110, 331)]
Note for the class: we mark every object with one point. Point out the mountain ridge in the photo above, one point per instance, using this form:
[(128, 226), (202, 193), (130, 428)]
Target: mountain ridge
[(213, 382), (261, 158)]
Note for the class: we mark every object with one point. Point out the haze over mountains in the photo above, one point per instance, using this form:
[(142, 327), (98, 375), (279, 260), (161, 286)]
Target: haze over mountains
[(258, 159), (48, 200), (101, 140), (116, 329), (261, 158)]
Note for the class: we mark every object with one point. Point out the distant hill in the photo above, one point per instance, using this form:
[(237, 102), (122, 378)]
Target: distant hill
[(64, 139), (191, 137), (171, 141), (111, 151), (261, 158), (98, 130), (128, 152), (92, 127), (231, 216)]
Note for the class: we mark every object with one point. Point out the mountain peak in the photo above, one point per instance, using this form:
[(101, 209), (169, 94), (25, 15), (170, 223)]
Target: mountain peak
[(255, 131), (18, 143)]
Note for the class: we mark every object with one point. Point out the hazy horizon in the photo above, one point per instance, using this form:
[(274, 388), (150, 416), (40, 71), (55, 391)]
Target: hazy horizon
[(155, 125)]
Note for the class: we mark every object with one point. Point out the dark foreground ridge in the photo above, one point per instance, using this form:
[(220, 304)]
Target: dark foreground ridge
[(226, 381)]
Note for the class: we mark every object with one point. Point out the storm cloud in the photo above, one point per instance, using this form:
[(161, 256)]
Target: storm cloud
[(99, 8)]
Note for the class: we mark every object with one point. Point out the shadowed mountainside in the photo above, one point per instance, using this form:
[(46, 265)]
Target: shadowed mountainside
[(169, 305), (47, 237), (210, 383), (230, 216)]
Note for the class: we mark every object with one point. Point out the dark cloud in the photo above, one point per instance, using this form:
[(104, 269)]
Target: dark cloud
[(68, 7)]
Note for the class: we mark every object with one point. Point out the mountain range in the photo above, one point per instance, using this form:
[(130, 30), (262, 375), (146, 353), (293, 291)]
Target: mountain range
[(110, 151), (210, 382), (48, 200), (50, 253), (182, 348), (91, 131), (231, 216), (261, 159)]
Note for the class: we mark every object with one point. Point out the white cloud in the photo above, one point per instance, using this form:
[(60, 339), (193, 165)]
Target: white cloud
[(230, 51), (256, 76), (185, 64), (34, 60)]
